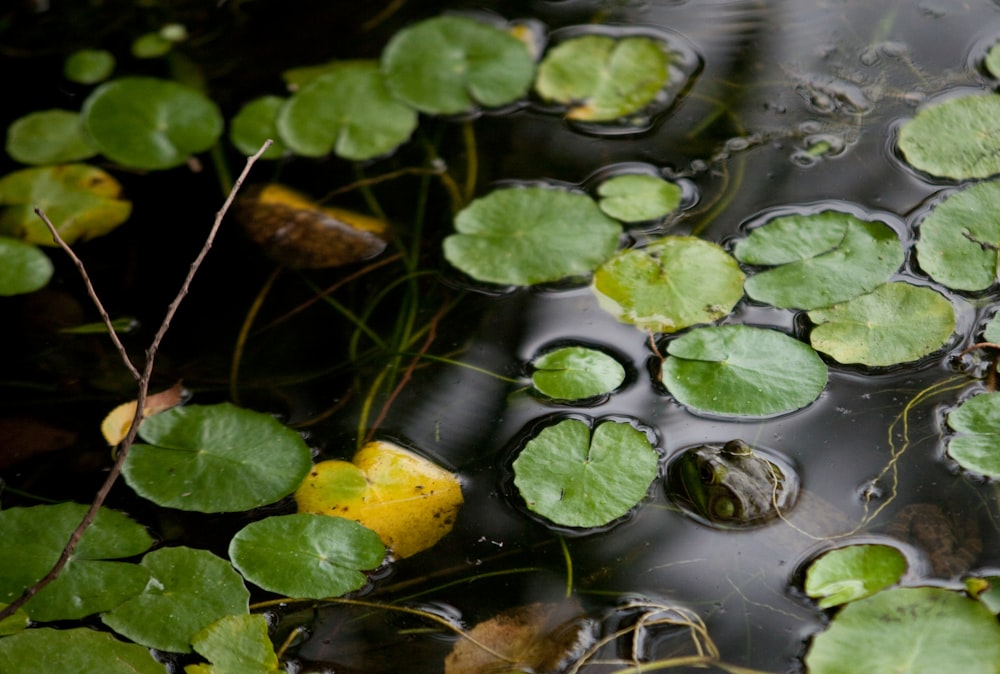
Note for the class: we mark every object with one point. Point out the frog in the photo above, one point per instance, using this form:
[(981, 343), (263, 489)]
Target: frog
[(737, 486)]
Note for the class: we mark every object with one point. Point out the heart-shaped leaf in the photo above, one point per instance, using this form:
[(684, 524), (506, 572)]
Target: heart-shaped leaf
[(576, 373)]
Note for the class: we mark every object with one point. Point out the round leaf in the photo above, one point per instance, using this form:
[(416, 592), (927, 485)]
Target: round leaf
[(148, 123), (48, 137), (528, 235), (31, 543), (409, 501), (895, 323), (977, 447), (671, 284), (919, 630), (215, 458), (576, 373), (853, 572), (190, 589), (742, 371), (89, 66), (823, 258), (237, 644), (959, 247), (83, 202), (576, 478), (23, 267), (347, 111), (73, 652), (991, 333), (256, 122), (306, 555), (958, 138), (450, 64), (634, 198), (603, 78)]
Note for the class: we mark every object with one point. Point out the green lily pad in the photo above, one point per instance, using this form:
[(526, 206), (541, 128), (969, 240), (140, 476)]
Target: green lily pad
[(89, 66), (958, 138), (603, 78), (918, 630), (742, 371), (149, 123), (190, 589), (73, 652), (977, 447), (986, 590), (451, 64), (895, 323), (23, 267), (576, 373), (347, 111), (255, 123), (83, 202), (991, 333), (48, 137), (215, 458), (31, 540), (958, 247), (853, 572), (237, 644), (992, 61), (822, 258), (638, 197), (529, 235), (671, 284), (577, 478), (12, 624), (306, 555)]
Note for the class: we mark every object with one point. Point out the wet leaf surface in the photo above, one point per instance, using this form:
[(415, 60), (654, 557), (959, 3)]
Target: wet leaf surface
[(853, 572), (958, 138), (576, 373), (256, 122), (48, 137), (977, 422), (23, 267), (74, 651), (237, 644), (638, 197)]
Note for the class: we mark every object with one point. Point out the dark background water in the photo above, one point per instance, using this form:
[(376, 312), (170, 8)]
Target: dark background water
[(774, 79)]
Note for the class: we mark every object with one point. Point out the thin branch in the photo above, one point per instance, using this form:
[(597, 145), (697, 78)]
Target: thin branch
[(147, 373)]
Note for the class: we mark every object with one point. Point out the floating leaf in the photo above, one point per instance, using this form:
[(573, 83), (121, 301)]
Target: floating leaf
[(12, 624), (576, 373), (742, 371), (450, 64), (347, 111), (255, 123), (121, 326), (577, 478), (83, 202), (992, 61), (986, 590), (23, 267), (991, 333), (237, 644), (73, 652), (958, 246), (151, 46), (31, 541), (895, 323), (958, 138), (306, 555), (977, 447), (853, 572), (48, 137), (638, 197), (189, 590), (301, 234), (603, 78), (823, 258), (149, 123), (529, 235), (673, 283), (89, 66), (533, 638), (215, 458), (115, 426), (410, 502), (918, 630)]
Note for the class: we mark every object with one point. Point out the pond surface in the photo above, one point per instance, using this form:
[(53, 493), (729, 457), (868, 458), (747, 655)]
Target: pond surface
[(791, 105)]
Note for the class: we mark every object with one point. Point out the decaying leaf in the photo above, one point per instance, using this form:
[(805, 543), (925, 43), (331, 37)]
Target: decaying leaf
[(534, 638), (301, 234), (407, 500), (115, 426)]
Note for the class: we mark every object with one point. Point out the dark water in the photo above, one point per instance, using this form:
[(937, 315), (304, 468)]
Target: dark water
[(773, 80)]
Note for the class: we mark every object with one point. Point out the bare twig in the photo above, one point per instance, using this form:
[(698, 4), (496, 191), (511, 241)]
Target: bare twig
[(143, 384)]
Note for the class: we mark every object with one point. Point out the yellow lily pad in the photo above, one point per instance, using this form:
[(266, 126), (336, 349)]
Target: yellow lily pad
[(410, 502)]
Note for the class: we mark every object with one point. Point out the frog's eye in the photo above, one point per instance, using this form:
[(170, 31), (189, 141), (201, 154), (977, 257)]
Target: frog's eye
[(723, 508), (706, 473)]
